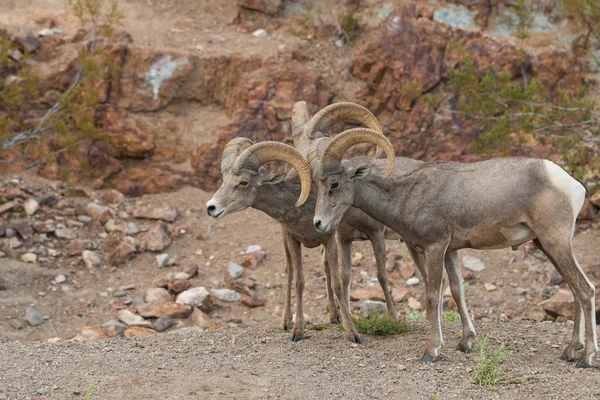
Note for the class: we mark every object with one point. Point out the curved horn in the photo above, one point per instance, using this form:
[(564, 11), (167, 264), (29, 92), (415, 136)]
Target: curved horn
[(299, 117), (261, 153), (334, 113), (233, 149), (334, 152)]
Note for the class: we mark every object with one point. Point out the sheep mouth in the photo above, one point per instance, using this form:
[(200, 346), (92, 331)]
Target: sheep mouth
[(220, 215), (324, 229)]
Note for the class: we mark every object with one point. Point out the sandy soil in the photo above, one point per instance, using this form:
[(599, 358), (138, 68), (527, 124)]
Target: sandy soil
[(264, 364)]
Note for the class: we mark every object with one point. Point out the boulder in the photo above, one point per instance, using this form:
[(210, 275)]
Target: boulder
[(155, 310)]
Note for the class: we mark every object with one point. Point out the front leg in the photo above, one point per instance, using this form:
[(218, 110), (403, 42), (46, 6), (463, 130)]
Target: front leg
[(296, 262), (452, 265), (378, 243), (345, 249), (334, 317), (332, 254), (287, 311), (433, 258)]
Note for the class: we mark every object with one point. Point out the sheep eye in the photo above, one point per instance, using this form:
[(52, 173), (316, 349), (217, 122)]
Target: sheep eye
[(335, 185), (243, 183)]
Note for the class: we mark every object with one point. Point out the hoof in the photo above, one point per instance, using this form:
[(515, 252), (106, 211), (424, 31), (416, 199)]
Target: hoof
[(464, 348), (566, 357), (582, 364), (335, 320), (297, 337), (355, 339), (428, 358)]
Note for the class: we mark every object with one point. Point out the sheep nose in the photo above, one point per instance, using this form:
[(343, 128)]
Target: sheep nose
[(210, 209), (318, 223)]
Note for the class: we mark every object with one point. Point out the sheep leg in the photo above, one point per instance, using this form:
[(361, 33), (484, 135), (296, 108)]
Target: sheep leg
[(559, 250), (345, 247), (332, 254), (577, 338), (454, 272), (296, 257), (287, 311), (378, 243), (433, 258), (334, 318), (418, 260)]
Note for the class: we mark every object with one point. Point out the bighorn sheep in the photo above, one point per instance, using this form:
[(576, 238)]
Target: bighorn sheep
[(441, 207), (247, 184), (306, 131)]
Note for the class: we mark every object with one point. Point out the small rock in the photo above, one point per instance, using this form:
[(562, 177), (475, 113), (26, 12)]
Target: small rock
[(191, 269), (60, 279), (252, 301), (49, 200), (122, 293), (89, 333), (125, 250), (163, 260), (253, 247), (356, 258), (163, 212), (201, 320), (473, 263), (226, 295), (132, 229), (196, 297), (163, 323), (595, 199), (412, 281), (178, 286), (253, 259), (157, 295), (31, 206), (260, 33), (157, 238), (91, 259), (155, 310), (34, 317), (77, 246), (235, 270), (133, 331), (414, 304), (561, 304), (399, 294), (489, 287), (555, 277), (369, 292), (114, 328), (29, 258), (28, 44), (16, 324), (406, 269), (368, 307), (68, 234), (131, 319), (24, 230), (113, 196)]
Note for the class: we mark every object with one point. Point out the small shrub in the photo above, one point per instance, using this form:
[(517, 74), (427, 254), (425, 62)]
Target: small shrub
[(90, 392), (488, 369), (435, 397), (349, 24), (380, 325), (452, 316), (415, 315)]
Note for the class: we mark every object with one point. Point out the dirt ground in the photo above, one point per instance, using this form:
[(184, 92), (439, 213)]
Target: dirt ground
[(263, 364)]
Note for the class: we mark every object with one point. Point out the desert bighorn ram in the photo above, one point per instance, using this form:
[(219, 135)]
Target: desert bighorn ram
[(442, 207)]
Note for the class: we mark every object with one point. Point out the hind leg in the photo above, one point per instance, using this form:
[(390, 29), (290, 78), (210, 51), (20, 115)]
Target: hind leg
[(577, 338), (287, 311), (583, 290), (418, 260), (378, 243)]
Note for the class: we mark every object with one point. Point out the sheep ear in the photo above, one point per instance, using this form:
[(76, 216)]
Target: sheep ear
[(358, 172)]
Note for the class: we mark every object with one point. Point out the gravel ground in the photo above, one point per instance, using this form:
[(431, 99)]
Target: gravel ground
[(256, 364)]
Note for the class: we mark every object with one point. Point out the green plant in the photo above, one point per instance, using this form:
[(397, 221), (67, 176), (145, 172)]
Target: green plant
[(587, 13), (514, 112), (488, 368), (415, 315), (451, 316), (524, 15), (90, 392), (72, 118), (380, 325), (435, 397), (349, 24)]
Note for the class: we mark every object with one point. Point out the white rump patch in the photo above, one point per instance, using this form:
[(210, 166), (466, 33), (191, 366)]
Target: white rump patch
[(567, 184)]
